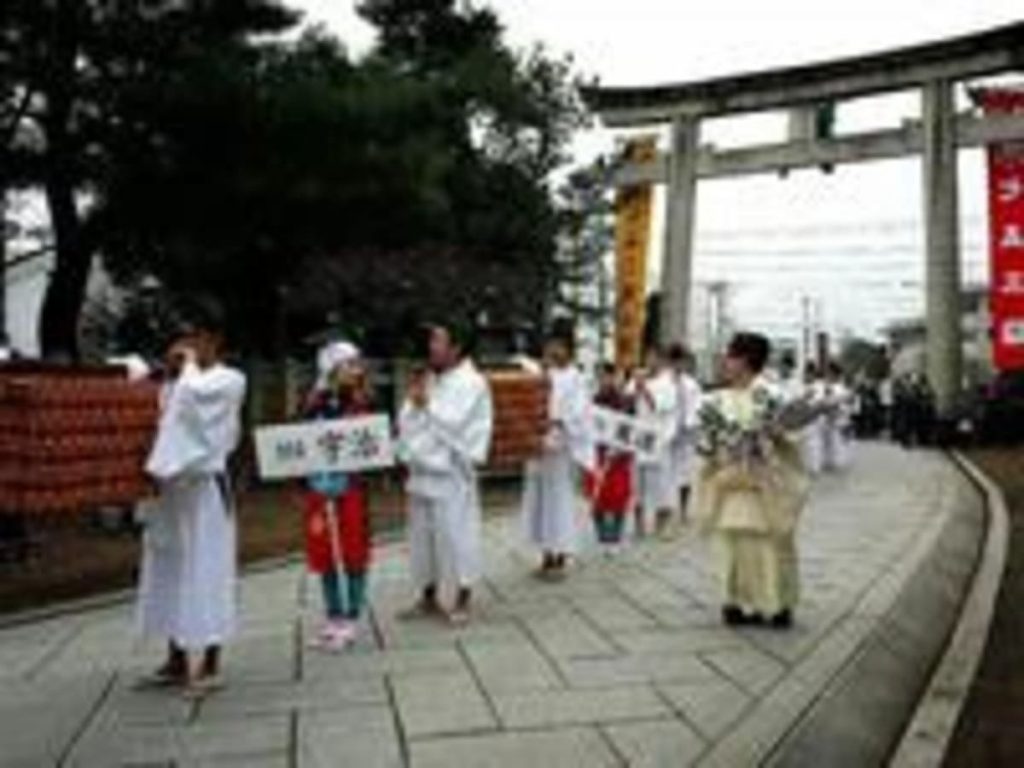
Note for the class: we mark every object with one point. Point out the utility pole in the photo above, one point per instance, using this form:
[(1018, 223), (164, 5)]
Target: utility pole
[(805, 328), (716, 303)]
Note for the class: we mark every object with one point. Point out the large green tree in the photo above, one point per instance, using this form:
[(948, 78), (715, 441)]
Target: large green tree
[(505, 117), (176, 139), (72, 76)]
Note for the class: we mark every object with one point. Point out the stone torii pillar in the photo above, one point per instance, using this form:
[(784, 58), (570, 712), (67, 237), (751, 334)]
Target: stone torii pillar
[(680, 211), (944, 352)]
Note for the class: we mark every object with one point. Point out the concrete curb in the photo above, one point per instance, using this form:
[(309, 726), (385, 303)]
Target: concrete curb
[(868, 686), (927, 737)]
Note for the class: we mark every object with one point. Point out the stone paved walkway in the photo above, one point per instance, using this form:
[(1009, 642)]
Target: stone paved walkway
[(623, 664)]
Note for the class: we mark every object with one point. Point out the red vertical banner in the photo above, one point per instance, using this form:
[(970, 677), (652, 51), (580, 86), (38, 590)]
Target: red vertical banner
[(1006, 224)]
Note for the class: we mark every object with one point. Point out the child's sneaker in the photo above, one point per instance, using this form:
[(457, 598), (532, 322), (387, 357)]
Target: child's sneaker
[(343, 630), (333, 636)]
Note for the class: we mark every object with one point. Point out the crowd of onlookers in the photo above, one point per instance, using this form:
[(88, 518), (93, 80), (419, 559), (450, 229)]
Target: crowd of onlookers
[(903, 408)]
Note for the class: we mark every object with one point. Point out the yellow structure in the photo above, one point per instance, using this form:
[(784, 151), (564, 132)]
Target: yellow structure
[(633, 206)]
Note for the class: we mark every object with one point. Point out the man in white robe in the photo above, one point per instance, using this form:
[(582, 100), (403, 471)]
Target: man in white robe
[(688, 408), (187, 585), (657, 402), (811, 436), (549, 498), (446, 426), (836, 401), (794, 392)]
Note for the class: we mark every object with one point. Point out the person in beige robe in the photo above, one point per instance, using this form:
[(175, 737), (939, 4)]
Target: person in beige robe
[(750, 490)]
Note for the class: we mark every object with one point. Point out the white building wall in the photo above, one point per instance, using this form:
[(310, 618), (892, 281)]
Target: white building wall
[(25, 287)]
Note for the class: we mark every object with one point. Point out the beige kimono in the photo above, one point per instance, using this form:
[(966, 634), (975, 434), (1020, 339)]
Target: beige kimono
[(750, 512)]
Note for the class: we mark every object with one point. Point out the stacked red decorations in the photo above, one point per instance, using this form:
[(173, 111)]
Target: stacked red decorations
[(73, 438), (520, 416)]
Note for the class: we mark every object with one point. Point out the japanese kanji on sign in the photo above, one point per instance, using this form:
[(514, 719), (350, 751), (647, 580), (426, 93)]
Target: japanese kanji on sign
[(348, 445), (1006, 221), (627, 433)]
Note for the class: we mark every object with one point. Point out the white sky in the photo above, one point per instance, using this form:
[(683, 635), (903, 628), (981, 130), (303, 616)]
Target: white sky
[(852, 240)]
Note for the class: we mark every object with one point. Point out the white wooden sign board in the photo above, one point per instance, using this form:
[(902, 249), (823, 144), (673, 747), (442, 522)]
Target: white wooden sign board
[(627, 433), (345, 445)]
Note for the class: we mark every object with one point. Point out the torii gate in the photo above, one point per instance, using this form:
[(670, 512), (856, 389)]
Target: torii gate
[(933, 68)]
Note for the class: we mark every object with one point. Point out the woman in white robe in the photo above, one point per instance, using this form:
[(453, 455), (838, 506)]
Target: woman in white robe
[(837, 403), (445, 434), (657, 402), (187, 581), (684, 456), (549, 498), (812, 436)]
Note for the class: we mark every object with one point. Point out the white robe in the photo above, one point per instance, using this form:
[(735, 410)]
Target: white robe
[(809, 440), (837, 399), (549, 497), (443, 444), (187, 581), (656, 488), (684, 441)]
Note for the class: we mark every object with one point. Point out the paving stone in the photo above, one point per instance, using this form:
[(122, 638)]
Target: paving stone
[(625, 661), (237, 738), (671, 641), (245, 700), (99, 646), (509, 668), (556, 708), (357, 736), (112, 744), (447, 703), (127, 706), (373, 663), (656, 744), (636, 668), (39, 719), (753, 738), (264, 659), (23, 649), (566, 634), (566, 748), (711, 707), (613, 614), (275, 759), (750, 669)]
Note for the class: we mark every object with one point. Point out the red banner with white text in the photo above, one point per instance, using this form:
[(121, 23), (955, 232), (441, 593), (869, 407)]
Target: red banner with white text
[(1006, 224)]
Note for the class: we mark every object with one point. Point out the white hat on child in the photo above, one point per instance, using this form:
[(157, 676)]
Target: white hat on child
[(332, 355)]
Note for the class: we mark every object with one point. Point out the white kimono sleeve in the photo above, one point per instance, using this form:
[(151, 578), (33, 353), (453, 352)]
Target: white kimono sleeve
[(574, 414), (199, 423), (423, 450), (463, 418)]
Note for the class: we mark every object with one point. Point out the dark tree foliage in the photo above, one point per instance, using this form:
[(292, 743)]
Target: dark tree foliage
[(189, 140), (75, 78)]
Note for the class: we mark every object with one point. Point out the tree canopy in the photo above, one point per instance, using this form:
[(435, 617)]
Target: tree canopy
[(190, 140)]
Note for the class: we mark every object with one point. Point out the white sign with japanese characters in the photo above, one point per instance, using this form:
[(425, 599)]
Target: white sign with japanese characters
[(627, 433), (345, 445)]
